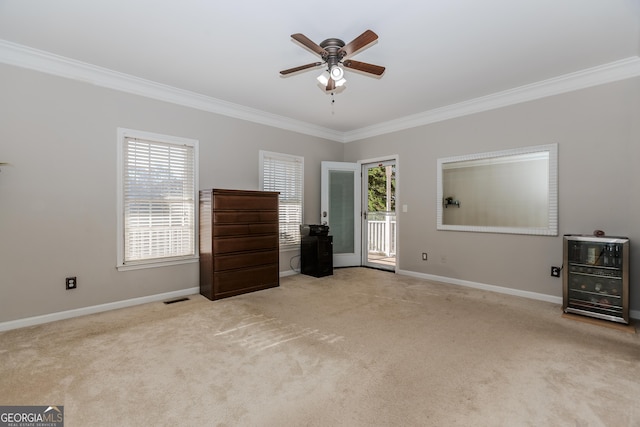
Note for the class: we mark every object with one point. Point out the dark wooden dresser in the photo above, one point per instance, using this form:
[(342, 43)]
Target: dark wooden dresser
[(239, 250)]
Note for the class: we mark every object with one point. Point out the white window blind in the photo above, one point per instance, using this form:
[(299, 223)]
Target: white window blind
[(158, 200), (284, 173)]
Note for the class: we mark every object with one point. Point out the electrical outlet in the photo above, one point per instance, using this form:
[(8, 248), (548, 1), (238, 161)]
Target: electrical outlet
[(71, 282), (424, 256), (555, 271)]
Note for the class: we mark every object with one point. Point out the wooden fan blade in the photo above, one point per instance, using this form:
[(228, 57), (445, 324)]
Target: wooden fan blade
[(331, 85), (300, 68), (358, 43), (363, 66), (304, 40)]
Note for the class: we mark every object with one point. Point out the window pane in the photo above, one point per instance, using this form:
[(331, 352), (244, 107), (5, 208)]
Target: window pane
[(158, 200), (284, 173), (342, 195)]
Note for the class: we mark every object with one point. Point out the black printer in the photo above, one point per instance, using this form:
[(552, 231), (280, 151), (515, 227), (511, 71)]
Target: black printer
[(314, 230)]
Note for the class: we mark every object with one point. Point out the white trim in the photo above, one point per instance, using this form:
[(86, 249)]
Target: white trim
[(606, 73), (62, 315), (484, 286), (484, 159), (84, 311), (552, 212), (155, 263), (123, 133), (34, 59), (288, 273), (346, 259), (633, 314), (52, 317), (395, 158)]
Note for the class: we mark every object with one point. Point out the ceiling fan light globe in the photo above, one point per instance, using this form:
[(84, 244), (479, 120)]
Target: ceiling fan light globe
[(340, 82), (337, 73), (324, 78)]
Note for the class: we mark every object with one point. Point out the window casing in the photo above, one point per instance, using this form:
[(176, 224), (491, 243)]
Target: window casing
[(284, 173), (157, 199)]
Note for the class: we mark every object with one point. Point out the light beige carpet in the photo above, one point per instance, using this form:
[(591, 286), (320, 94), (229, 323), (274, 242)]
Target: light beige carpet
[(360, 348)]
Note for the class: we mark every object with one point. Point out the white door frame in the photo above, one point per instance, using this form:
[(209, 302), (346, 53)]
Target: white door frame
[(364, 243)]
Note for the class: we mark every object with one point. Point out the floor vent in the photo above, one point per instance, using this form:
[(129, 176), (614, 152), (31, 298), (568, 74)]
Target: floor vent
[(176, 300)]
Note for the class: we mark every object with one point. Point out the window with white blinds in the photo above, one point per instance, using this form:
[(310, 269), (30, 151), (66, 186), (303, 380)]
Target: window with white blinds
[(284, 173), (157, 192)]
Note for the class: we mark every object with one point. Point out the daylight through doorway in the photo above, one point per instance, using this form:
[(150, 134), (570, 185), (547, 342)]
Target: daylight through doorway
[(379, 218)]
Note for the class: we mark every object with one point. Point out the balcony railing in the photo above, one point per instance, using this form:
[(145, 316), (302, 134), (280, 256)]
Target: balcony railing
[(381, 233)]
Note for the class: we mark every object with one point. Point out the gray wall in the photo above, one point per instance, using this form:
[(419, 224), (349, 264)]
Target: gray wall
[(598, 138), (58, 197)]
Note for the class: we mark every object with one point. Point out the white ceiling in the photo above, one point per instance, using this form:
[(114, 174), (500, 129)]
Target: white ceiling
[(437, 53)]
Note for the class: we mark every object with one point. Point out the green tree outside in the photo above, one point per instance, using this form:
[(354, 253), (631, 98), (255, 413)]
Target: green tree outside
[(377, 200)]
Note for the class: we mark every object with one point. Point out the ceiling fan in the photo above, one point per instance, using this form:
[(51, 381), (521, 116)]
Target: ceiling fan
[(335, 53)]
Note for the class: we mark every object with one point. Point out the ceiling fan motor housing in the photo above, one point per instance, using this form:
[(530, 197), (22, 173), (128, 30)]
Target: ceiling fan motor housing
[(332, 46)]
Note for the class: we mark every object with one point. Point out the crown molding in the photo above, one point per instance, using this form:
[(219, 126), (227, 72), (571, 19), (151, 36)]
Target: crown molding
[(38, 60), (607, 73)]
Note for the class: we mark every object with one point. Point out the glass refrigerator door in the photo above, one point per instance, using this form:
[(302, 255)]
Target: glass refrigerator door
[(595, 277)]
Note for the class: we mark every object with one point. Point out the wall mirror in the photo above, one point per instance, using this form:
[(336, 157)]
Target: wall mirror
[(511, 191)]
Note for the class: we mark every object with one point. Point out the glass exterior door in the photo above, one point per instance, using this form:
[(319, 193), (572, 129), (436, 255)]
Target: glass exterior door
[(379, 218), (340, 210)]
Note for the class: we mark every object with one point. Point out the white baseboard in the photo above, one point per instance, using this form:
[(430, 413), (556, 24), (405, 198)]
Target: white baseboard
[(288, 273), (52, 317), (46, 318), (483, 286), (634, 314)]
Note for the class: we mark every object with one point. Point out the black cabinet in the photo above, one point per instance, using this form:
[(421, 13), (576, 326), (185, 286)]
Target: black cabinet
[(316, 256)]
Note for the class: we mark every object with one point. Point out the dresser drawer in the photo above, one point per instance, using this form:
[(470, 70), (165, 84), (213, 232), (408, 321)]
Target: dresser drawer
[(223, 245), (244, 202), (245, 280), (222, 230), (251, 259), (224, 217)]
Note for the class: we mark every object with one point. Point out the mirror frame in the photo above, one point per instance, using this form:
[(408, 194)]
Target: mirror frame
[(552, 227)]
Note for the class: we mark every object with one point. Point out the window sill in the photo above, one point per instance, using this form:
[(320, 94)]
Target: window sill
[(288, 248), (156, 263)]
